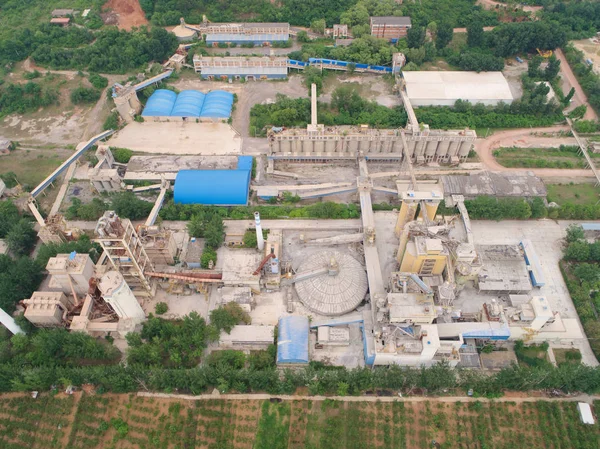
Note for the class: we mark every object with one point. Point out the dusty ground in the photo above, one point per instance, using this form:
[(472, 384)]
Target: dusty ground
[(591, 50), (513, 71), (178, 138), (129, 13)]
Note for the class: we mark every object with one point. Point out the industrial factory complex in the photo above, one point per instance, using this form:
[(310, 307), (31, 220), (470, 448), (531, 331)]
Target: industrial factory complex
[(411, 286)]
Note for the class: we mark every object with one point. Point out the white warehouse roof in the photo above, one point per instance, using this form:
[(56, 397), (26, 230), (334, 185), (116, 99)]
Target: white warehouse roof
[(444, 88), (585, 412)]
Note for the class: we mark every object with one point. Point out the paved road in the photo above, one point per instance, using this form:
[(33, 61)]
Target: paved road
[(523, 138), (579, 97), (261, 397)]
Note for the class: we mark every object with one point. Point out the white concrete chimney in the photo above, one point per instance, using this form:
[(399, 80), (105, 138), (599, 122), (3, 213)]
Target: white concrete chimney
[(313, 105), (260, 241)]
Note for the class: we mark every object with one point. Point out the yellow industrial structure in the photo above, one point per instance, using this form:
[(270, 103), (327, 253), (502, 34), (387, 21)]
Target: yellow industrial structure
[(424, 256)]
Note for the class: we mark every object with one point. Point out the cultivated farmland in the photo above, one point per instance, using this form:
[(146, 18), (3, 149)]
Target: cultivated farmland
[(128, 421)]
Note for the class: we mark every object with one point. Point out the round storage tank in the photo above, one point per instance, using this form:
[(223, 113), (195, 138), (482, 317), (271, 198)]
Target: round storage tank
[(184, 34), (212, 187), (331, 283)]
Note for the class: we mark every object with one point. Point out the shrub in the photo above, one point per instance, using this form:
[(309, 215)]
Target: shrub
[(98, 81), (227, 316), (82, 95), (161, 308), (207, 255), (112, 121), (121, 155)]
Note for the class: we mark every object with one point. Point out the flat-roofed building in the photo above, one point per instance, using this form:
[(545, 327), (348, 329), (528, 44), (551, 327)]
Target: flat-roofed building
[(248, 68), (444, 88), (391, 28), (245, 33)]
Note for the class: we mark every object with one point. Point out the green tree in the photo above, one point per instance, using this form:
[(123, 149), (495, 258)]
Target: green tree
[(587, 272), (575, 233), (81, 95), (533, 67), (21, 238), (444, 35), (552, 68), (128, 205), (415, 37), (161, 308), (318, 26), (227, 316), (475, 34), (538, 208), (214, 232), (9, 215), (313, 75), (578, 251)]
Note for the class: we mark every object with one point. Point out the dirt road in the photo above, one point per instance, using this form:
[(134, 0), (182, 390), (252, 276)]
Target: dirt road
[(579, 98), (524, 138), (451, 399)]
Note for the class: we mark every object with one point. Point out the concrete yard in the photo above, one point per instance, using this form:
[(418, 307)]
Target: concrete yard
[(178, 138), (547, 237)]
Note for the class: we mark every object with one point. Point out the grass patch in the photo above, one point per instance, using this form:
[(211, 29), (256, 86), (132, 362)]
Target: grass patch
[(273, 427), (566, 157), (569, 356), (584, 194), (31, 167)]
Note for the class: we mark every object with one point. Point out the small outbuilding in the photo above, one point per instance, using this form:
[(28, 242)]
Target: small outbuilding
[(61, 21), (585, 413), (292, 340)]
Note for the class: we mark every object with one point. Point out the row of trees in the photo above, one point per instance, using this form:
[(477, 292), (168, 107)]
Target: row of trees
[(347, 107), (327, 210), (588, 79), (581, 271), (125, 204), (318, 379)]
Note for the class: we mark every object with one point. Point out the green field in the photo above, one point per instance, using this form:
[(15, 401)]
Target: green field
[(563, 157), (87, 421), (573, 193)]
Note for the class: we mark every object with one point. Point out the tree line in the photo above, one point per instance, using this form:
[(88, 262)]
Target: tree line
[(581, 272), (316, 377), (105, 51)]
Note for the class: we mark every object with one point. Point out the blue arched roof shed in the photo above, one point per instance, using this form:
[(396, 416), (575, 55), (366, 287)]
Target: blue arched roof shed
[(292, 340), (212, 187), (160, 103), (188, 104), (217, 104)]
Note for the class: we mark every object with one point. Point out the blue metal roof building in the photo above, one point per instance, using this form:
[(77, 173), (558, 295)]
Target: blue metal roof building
[(212, 187), (189, 103), (292, 340), (245, 162), (160, 103), (217, 103)]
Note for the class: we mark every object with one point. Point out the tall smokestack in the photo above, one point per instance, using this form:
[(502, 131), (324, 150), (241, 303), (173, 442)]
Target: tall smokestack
[(313, 104), (260, 241)]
